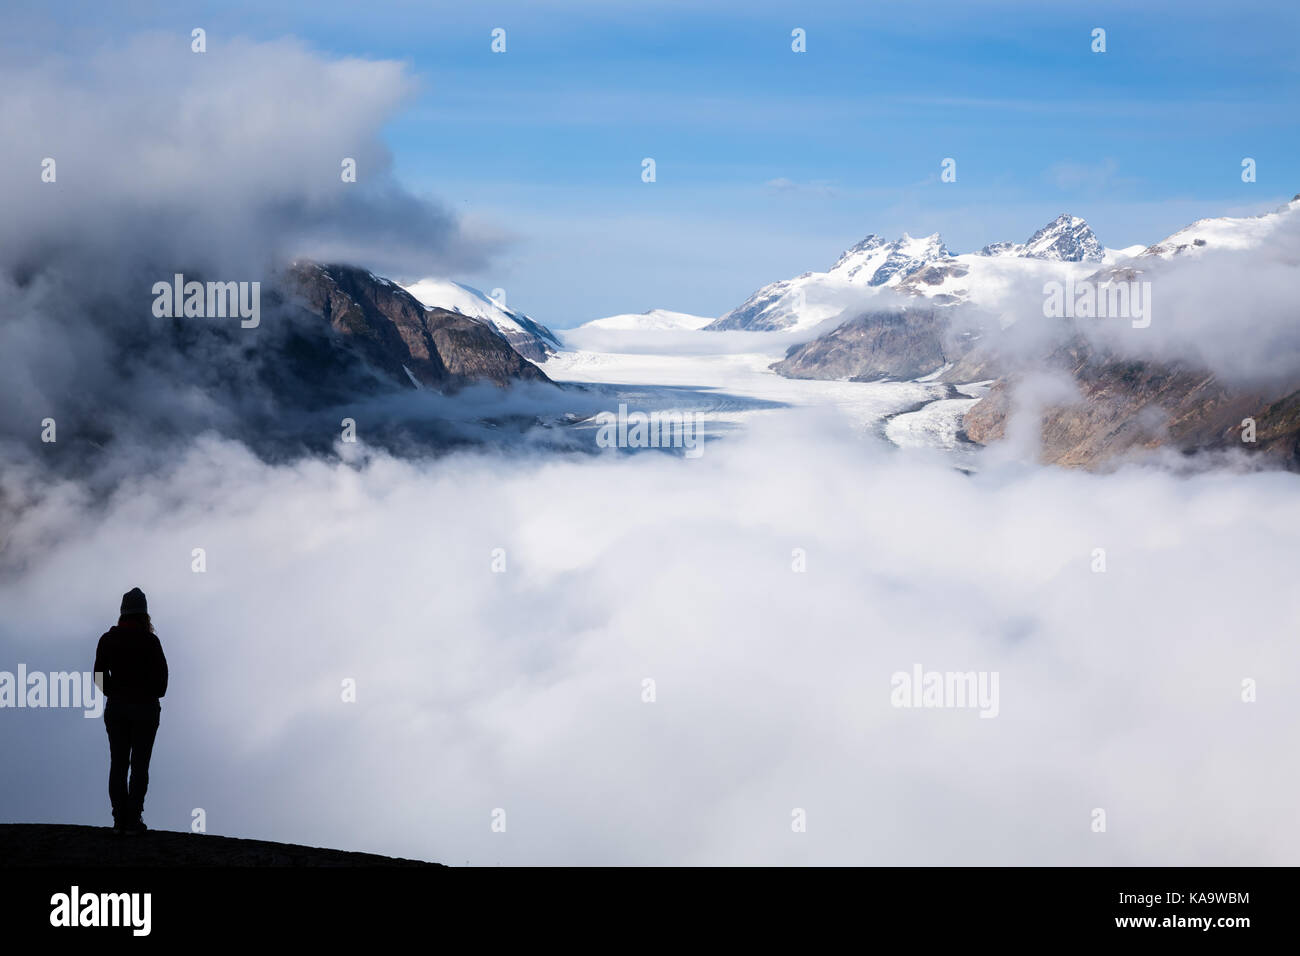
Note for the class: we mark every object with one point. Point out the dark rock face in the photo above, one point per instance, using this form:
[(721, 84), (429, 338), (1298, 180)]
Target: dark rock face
[(897, 344), (536, 342), (63, 845), (331, 341), (398, 336), (932, 275), (1126, 406)]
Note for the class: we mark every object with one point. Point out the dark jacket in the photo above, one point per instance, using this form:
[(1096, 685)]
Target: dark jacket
[(132, 662)]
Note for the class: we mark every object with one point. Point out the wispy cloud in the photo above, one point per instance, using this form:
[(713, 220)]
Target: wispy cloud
[(817, 187)]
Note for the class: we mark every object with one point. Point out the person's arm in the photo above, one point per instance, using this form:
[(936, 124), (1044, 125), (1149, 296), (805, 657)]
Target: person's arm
[(102, 666), (160, 674)]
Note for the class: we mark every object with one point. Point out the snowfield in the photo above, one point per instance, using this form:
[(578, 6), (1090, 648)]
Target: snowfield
[(732, 389), (655, 320)]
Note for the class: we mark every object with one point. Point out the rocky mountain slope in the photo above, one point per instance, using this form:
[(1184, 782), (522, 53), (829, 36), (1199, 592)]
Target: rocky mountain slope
[(895, 344), (398, 335), (62, 845), (526, 336), (1126, 406), (1065, 239), (329, 342)]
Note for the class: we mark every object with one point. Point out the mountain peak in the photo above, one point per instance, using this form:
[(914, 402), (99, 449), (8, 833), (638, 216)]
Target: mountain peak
[(859, 250), (872, 241), (906, 256), (933, 242), (526, 336), (1003, 248), (1065, 239)]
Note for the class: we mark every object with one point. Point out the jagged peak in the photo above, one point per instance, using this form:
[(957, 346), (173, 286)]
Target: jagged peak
[(1066, 238), (934, 239), (869, 244), (1001, 248), (872, 241)]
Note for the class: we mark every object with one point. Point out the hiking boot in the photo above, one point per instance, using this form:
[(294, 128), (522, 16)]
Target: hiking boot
[(118, 827), (136, 827)]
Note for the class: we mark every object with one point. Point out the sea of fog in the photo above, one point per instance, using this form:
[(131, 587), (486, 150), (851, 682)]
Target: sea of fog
[(650, 658)]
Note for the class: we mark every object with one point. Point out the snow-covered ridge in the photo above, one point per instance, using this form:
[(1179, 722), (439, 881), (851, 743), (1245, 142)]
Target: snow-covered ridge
[(455, 297), (875, 262), (528, 337), (921, 266), (1065, 239), (1224, 232), (654, 320)]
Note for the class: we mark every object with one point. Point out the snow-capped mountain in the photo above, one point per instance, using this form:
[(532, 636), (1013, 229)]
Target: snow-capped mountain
[(1220, 232), (1065, 239), (907, 256), (1126, 402), (655, 320), (1003, 248), (633, 330), (1224, 232), (878, 263), (401, 337), (527, 336), (790, 304), (918, 267), (814, 297)]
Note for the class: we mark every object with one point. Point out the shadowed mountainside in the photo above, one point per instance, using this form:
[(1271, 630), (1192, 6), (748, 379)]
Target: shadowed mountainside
[(42, 844), (898, 344), (431, 348), (1127, 405)]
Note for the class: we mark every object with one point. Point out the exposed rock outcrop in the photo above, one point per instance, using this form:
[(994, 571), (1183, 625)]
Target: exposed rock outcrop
[(898, 344), (399, 336), (526, 336), (1125, 406)]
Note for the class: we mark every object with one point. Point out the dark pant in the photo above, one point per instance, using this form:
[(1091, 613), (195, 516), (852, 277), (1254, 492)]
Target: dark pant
[(131, 727)]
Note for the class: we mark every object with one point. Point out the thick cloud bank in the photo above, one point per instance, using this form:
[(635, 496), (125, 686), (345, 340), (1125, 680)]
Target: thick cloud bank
[(219, 161), (218, 166), (523, 689), (500, 611), (1231, 311)]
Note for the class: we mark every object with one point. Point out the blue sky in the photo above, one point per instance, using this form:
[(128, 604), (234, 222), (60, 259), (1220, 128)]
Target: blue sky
[(770, 162)]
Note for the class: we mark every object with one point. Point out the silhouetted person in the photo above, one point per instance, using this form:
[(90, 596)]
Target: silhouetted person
[(130, 658)]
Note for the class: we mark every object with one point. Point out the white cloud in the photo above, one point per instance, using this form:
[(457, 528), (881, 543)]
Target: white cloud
[(228, 156), (522, 690)]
